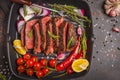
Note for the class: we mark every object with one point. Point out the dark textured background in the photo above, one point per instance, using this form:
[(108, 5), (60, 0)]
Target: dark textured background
[(105, 64)]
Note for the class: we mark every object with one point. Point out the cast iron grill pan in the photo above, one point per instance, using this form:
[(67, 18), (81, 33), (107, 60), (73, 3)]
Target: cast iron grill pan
[(12, 35)]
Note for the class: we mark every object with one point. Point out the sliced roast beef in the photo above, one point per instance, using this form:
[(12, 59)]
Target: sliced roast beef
[(57, 21), (49, 40), (37, 35), (43, 22), (29, 36), (62, 37), (71, 32)]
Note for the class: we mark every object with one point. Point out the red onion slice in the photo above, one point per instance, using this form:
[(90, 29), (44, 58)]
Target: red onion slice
[(20, 24)]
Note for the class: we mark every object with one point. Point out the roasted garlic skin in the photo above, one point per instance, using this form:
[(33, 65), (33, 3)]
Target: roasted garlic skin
[(112, 7)]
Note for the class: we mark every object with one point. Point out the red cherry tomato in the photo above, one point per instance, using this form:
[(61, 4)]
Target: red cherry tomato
[(36, 66), (45, 71), (52, 63), (29, 63), (43, 62), (69, 70), (34, 58), (29, 71), (60, 68), (20, 61), (39, 74), (26, 56), (21, 69)]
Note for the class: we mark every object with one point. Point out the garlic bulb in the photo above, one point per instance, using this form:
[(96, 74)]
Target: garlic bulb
[(112, 7)]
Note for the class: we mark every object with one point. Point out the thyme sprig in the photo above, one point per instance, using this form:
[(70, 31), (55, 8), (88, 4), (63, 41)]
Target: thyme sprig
[(69, 11)]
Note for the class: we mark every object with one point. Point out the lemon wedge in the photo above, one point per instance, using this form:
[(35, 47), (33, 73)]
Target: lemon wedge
[(80, 65), (17, 44)]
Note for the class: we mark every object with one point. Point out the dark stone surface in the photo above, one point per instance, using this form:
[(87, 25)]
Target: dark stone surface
[(105, 64)]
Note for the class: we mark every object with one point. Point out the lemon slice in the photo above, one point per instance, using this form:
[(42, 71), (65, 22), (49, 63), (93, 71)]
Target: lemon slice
[(80, 65), (17, 44)]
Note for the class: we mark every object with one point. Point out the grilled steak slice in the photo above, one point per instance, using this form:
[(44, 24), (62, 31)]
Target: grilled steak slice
[(37, 35), (49, 41), (23, 35), (56, 23), (62, 37), (71, 32), (43, 31), (29, 37)]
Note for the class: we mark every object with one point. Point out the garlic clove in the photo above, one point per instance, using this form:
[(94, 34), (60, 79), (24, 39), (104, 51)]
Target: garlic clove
[(112, 7), (108, 2), (112, 13), (112, 0), (108, 10), (107, 6)]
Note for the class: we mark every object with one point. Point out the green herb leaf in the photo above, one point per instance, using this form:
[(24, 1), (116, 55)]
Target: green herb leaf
[(70, 42), (30, 33), (52, 35), (36, 10), (2, 77), (25, 10)]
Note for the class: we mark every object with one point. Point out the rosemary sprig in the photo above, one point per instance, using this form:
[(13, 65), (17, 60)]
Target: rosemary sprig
[(69, 42), (84, 44), (52, 35), (69, 11)]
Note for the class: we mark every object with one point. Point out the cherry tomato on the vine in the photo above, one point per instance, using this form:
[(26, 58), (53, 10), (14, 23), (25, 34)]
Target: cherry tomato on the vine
[(29, 71), (34, 58), (37, 66), (26, 56), (20, 61), (43, 62), (21, 69), (39, 74), (29, 63), (45, 71), (52, 63)]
